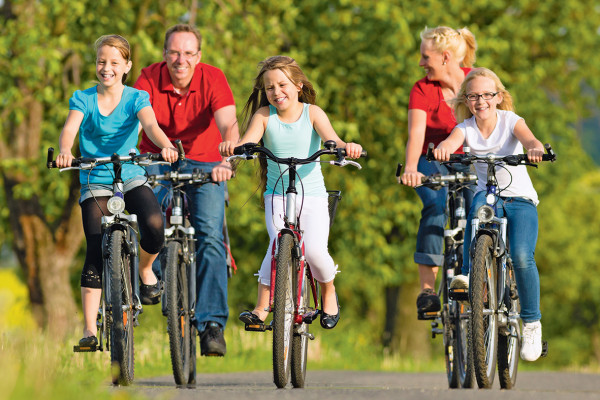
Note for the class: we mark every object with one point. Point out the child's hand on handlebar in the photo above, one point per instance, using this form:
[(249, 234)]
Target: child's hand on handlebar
[(64, 159), (535, 155), (441, 153), (353, 150), (169, 154), (226, 148)]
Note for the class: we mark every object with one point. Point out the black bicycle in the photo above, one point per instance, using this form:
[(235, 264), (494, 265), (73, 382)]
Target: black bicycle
[(495, 330), (454, 315), (120, 304), (292, 283), (178, 262)]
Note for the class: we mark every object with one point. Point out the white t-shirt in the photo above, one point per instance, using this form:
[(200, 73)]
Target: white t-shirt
[(513, 181)]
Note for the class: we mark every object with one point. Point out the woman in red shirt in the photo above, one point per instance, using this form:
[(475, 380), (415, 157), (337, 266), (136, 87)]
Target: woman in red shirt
[(446, 55)]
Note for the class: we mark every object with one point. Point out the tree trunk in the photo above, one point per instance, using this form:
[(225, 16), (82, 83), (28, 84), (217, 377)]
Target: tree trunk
[(45, 253)]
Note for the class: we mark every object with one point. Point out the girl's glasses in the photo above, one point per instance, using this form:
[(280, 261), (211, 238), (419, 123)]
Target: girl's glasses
[(485, 96)]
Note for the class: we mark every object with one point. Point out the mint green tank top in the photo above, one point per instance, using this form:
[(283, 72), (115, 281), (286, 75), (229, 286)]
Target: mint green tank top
[(297, 139)]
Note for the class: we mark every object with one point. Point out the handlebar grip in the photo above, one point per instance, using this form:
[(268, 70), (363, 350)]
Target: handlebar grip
[(239, 150), (551, 156), (180, 150), (429, 156), (49, 162), (398, 170), (363, 153)]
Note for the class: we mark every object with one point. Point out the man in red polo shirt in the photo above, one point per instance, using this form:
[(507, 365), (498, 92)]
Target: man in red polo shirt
[(194, 103)]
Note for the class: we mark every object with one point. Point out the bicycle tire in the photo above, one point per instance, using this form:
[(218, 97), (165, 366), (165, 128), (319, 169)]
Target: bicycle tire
[(448, 322), (283, 311), (508, 345), (300, 339), (178, 317), (462, 354), (484, 330), (121, 303)]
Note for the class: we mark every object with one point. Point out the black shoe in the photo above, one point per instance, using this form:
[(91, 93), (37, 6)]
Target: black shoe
[(428, 301), (90, 341), (212, 342), (329, 321), (150, 294), (250, 318)]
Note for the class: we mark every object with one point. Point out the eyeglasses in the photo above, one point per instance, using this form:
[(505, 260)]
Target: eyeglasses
[(174, 55), (485, 96)]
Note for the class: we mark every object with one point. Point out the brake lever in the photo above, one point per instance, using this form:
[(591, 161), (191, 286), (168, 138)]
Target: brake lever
[(344, 162)]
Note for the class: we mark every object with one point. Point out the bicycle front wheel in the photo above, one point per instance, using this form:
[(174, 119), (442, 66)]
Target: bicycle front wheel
[(121, 303), (283, 311), (462, 356), (300, 340), (508, 342), (484, 330), (178, 317)]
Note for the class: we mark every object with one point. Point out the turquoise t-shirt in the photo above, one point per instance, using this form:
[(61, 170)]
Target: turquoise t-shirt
[(297, 139), (103, 136)]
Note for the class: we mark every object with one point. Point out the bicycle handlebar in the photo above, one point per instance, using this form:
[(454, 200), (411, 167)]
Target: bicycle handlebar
[(437, 181), (90, 162), (247, 152), (194, 178), (511, 159)]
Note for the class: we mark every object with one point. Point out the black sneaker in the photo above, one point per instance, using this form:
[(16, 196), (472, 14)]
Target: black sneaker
[(212, 342), (428, 301)]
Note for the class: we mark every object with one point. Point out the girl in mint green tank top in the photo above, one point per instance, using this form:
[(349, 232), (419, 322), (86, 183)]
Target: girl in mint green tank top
[(284, 116)]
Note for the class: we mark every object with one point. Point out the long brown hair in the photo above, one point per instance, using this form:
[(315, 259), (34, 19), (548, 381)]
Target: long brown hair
[(258, 97)]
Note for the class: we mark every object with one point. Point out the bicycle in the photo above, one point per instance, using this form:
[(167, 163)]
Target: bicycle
[(178, 262), (454, 315), (495, 328), (292, 283), (120, 304)]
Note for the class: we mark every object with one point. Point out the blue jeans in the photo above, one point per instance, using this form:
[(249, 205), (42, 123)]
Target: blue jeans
[(207, 210), (522, 233), (433, 216)]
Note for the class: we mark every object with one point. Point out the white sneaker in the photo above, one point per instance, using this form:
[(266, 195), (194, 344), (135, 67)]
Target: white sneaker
[(460, 282), (531, 346)]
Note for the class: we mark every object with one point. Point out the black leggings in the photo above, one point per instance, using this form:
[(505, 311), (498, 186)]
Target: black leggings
[(140, 201)]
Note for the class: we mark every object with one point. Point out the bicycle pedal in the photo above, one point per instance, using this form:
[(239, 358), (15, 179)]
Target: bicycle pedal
[(85, 349), (258, 327), (428, 315), (459, 294), (309, 317), (544, 348)]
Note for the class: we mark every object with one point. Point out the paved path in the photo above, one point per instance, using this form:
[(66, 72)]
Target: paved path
[(348, 385)]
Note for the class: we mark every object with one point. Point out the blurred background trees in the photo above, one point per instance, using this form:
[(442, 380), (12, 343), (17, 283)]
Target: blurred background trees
[(362, 57)]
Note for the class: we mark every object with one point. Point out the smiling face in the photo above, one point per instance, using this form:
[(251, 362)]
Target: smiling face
[(182, 56), (432, 60), (480, 108), (280, 90), (111, 66)]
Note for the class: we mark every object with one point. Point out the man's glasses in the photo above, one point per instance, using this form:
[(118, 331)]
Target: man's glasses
[(485, 96), (174, 55)]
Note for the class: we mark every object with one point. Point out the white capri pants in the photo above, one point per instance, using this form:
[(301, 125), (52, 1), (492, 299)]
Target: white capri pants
[(314, 222)]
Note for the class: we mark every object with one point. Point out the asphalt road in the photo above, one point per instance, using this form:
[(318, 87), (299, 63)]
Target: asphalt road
[(348, 385)]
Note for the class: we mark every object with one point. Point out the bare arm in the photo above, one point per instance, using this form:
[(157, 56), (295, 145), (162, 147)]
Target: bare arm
[(67, 138), (254, 133), (325, 130), (158, 137), (228, 127), (449, 145), (535, 148), (417, 122)]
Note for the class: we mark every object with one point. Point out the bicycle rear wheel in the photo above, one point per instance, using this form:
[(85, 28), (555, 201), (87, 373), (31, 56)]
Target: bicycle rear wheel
[(121, 302), (283, 311), (508, 342), (178, 317), (462, 355), (300, 339), (484, 330)]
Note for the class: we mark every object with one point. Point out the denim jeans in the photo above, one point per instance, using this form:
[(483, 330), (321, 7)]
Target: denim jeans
[(207, 210), (433, 216), (522, 233)]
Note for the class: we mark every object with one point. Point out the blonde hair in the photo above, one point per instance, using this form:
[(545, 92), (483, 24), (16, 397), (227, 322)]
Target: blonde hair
[(119, 43), (461, 110), (460, 42), (258, 97)]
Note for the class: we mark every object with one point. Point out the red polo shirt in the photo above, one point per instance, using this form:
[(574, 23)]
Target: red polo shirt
[(189, 117), (427, 95)]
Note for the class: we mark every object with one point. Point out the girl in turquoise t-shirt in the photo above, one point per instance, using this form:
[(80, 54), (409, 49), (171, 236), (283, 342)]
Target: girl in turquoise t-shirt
[(291, 125), (107, 117)]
